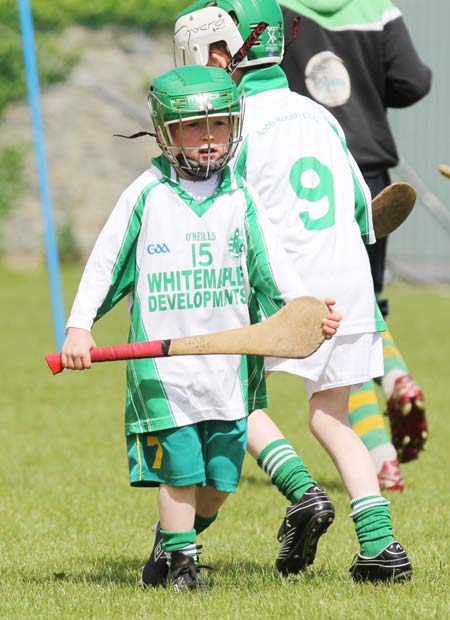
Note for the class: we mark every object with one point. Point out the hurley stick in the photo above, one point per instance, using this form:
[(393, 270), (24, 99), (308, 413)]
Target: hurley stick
[(295, 331), (391, 207), (444, 169)]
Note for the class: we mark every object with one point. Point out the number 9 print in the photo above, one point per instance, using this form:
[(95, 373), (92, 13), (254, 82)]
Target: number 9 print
[(312, 181)]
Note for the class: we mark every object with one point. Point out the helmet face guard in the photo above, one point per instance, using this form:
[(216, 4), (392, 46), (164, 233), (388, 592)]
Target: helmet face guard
[(232, 21), (192, 93)]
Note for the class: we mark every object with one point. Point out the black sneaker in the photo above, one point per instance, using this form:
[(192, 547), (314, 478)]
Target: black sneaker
[(184, 574), (303, 525), (156, 568), (391, 564)]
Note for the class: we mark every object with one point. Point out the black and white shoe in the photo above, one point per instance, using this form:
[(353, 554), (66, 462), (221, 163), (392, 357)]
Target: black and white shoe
[(391, 564), (305, 522), (184, 573), (156, 569)]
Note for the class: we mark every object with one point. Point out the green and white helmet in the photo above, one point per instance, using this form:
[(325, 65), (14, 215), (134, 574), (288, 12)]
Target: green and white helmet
[(232, 21), (188, 93)]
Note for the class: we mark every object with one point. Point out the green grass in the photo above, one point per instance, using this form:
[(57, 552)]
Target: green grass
[(74, 534)]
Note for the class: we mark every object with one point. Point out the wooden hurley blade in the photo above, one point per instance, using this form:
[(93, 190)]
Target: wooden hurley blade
[(444, 170), (391, 207), (294, 332)]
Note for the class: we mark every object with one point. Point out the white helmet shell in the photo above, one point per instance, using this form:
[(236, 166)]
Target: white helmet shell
[(195, 32)]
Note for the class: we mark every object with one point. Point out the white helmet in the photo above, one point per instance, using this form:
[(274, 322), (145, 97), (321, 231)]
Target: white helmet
[(232, 21)]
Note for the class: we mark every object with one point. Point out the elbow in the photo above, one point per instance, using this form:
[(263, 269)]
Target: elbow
[(423, 86), (409, 94)]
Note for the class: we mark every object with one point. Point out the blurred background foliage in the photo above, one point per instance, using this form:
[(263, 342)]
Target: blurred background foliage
[(55, 61), (10, 176), (49, 15), (50, 20), (11, 171)]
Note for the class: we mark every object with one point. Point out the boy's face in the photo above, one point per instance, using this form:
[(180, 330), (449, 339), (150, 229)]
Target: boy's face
[(203, 140)]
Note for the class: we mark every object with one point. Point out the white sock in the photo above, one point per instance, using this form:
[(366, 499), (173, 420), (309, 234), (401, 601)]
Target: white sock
[(388, 381), (381, 454)]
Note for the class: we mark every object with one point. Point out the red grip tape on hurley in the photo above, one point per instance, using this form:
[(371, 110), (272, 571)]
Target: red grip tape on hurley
[(130, 351), (133, 350)]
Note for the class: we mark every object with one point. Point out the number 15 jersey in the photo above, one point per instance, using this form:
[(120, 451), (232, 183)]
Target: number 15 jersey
[(188, 267)]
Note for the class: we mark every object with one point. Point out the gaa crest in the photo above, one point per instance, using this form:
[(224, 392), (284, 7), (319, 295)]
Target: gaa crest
[(236, 244)]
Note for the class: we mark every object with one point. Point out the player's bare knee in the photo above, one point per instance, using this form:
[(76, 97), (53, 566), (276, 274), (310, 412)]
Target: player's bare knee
[(212, 500)]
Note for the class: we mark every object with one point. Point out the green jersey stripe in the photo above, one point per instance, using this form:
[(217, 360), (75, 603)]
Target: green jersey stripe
[(260, 270), (123, 273)]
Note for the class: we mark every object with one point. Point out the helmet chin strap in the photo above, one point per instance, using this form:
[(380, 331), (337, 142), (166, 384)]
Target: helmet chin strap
[(190, 167), (198, 171)]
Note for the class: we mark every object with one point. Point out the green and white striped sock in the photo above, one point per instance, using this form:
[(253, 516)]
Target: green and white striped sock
[(372, 519), (179, 541), (286, 469)]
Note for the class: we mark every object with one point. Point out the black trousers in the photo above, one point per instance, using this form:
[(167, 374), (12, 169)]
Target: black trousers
[(377, 251)]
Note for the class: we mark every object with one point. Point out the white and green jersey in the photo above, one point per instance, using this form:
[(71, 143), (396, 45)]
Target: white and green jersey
[(295, 156), (188, 267)]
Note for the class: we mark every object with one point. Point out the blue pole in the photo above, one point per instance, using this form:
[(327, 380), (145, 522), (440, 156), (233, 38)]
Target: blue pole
[(29, 54)]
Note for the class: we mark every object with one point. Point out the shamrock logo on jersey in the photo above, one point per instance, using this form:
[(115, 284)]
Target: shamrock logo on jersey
[(236, 244)]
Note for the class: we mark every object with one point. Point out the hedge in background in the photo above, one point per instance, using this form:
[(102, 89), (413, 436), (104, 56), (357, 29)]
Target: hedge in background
[(94, 13), (51, 17)]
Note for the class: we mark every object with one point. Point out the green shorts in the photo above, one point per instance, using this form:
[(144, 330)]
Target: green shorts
[(208, 453)]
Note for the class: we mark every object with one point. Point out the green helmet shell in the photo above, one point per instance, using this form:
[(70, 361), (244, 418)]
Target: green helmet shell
[(193, 92), (204, 23)]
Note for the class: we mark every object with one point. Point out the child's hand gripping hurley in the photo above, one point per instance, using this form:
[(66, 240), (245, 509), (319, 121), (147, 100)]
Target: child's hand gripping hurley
[(295, 331)]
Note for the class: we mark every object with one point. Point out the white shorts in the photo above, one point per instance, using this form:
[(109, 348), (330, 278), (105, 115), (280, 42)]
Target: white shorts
[(347, 360)]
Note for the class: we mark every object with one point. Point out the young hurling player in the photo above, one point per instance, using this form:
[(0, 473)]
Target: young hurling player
[(358, 60), (296, 156), (186, 243)]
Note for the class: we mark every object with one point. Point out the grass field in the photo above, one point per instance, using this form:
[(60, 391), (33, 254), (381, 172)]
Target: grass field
[(74, 534)]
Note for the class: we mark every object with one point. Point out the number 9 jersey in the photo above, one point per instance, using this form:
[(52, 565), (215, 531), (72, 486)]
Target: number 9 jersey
[(295, 156)]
